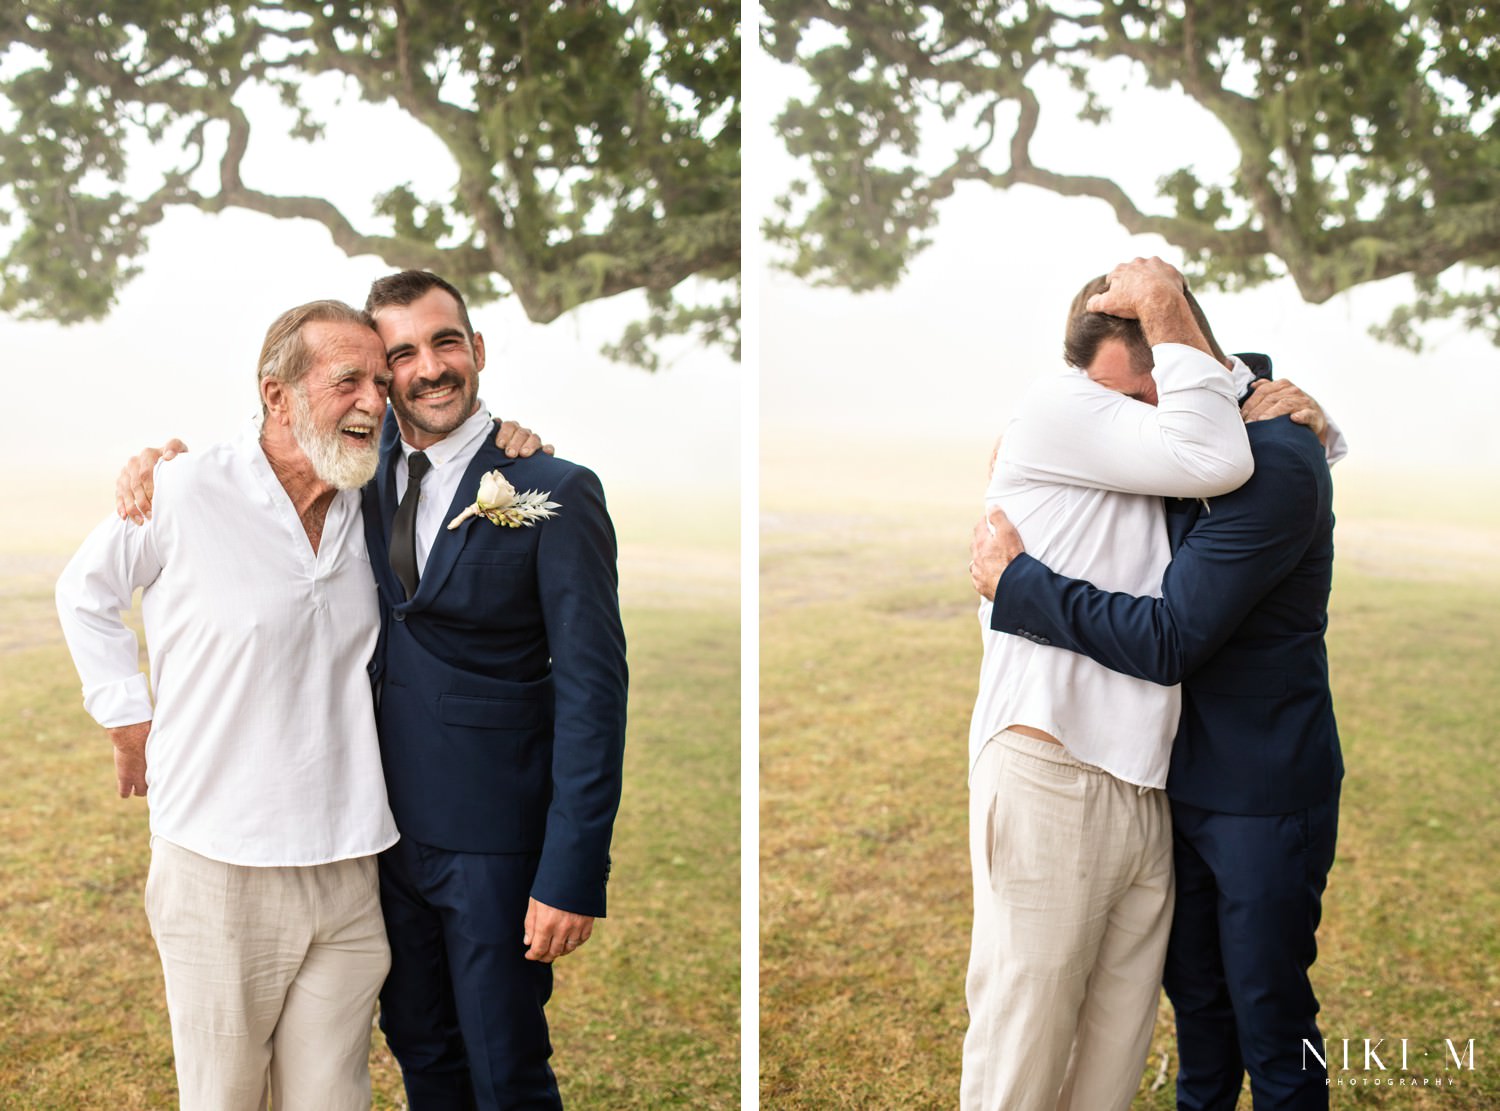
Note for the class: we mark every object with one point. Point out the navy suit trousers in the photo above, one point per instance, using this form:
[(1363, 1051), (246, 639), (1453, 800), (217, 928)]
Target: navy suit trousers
[(462, 1008), (1249, 897)]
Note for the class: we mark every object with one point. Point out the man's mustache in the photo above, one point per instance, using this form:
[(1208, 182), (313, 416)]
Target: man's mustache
[(442, 381)]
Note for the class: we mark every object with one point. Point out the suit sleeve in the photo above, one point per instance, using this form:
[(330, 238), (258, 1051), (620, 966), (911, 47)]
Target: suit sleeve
[(1243, 546), (579, 590)]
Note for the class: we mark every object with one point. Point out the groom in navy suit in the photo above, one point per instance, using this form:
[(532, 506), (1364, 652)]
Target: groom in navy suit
[(502, 688), (1256, 766)]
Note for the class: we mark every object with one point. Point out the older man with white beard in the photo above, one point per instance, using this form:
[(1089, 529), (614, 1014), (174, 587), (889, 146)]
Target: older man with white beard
[(266, 795)]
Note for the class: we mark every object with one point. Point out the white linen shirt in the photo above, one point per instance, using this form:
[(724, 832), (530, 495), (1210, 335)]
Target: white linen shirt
[(450, 458), (262, 748), (1081, 473)]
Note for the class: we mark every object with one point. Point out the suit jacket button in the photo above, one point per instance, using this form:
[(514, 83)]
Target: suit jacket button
[(1043, 641), (399, 616)]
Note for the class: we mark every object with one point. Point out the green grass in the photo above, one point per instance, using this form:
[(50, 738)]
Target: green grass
[(869, 658), (645, 1017)]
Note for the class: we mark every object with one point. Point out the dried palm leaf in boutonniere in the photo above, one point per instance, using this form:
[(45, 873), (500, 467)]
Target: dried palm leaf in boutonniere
[(499, 504)]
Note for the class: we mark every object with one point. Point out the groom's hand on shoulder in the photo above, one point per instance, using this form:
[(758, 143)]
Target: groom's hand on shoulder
[(552, 933), (135, 485), (517, 440)]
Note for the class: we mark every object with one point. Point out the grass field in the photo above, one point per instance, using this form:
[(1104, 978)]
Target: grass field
[(645, 1017), (869, 657)]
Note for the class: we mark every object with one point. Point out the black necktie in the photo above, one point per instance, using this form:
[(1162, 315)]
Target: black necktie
[(404, 527)]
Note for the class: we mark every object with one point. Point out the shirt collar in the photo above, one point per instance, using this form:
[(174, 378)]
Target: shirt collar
[(458, 443)]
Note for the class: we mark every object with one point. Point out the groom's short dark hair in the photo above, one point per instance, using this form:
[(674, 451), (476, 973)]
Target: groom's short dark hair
[(1087, 330), (408, 286)]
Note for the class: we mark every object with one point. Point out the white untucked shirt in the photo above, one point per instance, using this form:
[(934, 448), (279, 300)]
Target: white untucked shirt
[(262, 748), (1081, 474)]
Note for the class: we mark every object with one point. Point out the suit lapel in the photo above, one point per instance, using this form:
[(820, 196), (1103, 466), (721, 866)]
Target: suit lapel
[(1182, 515), (1259, 365), (378, 502), (450, 542), (385, 479)]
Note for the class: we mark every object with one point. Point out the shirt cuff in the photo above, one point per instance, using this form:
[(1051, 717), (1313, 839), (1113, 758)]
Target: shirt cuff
[(123, 702), (1240, 375), (1337, 447)]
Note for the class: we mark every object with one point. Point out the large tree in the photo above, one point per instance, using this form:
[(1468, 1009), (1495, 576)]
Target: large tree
[(1367, 133), (597, 142)]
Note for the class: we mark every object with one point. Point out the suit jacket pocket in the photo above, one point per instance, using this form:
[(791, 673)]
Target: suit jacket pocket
[(489, 713), (474, 554)]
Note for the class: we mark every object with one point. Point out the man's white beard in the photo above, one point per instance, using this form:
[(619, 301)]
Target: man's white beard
[(336, 461)]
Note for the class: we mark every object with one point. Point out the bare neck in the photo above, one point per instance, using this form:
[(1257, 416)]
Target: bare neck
[(421, 440), (309, 494)]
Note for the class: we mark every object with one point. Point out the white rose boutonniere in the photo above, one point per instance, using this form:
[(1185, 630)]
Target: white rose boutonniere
[(499, 504)]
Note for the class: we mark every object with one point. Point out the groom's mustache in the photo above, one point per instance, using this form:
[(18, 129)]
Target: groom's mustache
[(441, 382)]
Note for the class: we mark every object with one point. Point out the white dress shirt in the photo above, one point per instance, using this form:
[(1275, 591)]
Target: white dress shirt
[(262, 748), (450, 458), (1081, 473)]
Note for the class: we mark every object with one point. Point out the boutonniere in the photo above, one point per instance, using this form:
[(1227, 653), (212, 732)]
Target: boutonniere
[(499, 504)]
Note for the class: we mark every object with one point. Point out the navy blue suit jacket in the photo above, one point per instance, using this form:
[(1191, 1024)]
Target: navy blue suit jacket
[(503, 680), (1240, 624)]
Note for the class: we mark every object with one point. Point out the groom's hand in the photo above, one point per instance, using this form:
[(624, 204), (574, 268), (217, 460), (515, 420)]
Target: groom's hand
[(996, 542), (518, 440), (134, 487), (552, 933)]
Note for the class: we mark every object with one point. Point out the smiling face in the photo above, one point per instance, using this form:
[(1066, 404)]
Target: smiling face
[(435, 366), (336, 408)]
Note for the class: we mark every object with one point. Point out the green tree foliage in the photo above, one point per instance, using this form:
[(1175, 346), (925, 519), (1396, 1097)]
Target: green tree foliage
[(1366, 130), (597, 143)]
